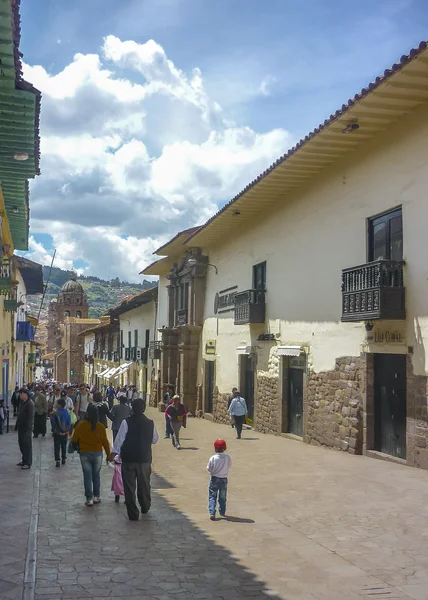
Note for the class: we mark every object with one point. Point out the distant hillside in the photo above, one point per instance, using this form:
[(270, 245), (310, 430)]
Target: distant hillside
[(101, 294)]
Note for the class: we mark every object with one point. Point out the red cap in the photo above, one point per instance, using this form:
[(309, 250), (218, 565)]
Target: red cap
[(220, 445)]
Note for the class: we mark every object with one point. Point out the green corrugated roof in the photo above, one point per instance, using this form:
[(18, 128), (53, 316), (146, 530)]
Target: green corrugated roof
[(19, 120)]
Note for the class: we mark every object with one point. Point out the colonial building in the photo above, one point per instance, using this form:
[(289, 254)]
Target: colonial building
[(121, 343), (313, 283), (19, 162)]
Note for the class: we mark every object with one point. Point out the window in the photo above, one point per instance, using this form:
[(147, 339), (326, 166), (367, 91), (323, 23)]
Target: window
[(259, 276), (385, 236), (121, 338), (147, 338), (78, 314), (129, 339), (135, 338), (66, 313)]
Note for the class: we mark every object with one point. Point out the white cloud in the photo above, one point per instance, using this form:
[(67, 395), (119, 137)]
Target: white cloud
[(266, 85), (133, 150)]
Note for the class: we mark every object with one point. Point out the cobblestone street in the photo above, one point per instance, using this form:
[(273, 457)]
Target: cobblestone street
[(304, 522)]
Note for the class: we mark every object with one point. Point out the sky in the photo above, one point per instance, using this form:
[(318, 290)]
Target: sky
[(155, 113)]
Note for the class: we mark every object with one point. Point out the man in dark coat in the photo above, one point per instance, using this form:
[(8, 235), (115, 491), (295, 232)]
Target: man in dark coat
[(24, 427), (134, 444)]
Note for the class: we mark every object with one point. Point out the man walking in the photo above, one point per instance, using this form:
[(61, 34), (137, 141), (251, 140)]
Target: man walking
[(61, 423), (24, 427), (167, 399), (41, 413), (118, 414), (238, 410), (134, 444), (110, 395)]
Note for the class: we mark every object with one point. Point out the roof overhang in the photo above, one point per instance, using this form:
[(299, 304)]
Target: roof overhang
[(134, 302), (174, 246), (399, 91), (289, 350), (159, 267), (32, 274)]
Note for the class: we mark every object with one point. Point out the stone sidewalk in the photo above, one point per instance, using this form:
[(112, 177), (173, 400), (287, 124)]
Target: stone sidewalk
[(304, 523)]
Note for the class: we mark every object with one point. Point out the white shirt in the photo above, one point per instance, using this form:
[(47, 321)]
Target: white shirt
[(238, 407), (219, 465), (84, 401), (121, 435), (69, 403)]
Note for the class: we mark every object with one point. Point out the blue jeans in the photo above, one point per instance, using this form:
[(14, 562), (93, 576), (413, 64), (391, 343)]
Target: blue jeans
[(91, 466), (217, 489)]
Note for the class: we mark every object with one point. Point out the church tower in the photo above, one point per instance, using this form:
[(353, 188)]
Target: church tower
[(72, 301)]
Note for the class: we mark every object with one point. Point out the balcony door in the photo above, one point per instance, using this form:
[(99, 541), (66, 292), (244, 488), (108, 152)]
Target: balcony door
[(385, 236), (390, 404)]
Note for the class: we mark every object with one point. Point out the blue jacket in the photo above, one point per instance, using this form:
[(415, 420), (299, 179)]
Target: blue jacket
[(64, 416)]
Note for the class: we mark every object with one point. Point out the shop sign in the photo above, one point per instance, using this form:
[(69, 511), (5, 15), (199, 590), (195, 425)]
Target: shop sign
[(389, 337), (210, 347), (224, 300), (297, 362)]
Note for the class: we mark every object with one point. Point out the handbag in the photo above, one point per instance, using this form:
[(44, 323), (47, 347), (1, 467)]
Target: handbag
[(73, 447)]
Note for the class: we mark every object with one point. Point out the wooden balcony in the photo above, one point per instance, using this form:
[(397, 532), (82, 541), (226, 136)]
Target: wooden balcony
[(155, 350), (250, 307), (373, 291)]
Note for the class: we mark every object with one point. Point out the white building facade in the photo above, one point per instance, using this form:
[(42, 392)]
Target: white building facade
[(308, 290)]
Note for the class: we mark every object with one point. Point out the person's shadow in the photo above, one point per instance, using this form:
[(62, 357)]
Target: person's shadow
[(237, 519)]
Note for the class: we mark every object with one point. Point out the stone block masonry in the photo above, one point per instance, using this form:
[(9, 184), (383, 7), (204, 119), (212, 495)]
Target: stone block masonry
[(334, 406)]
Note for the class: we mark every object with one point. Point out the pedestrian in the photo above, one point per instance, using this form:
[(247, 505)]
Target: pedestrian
[(218, 466), (55, 396), (130, 394), (117, 481), (83, 399), (24, 426), (176, 414), (134, 444), (119, 413), (238, 410), (40, 413), (110, 395), (229, 402), (102, 406), (90, 437), (15, 401), (2, 415), (61, 424), (68, 401), (167, 399)]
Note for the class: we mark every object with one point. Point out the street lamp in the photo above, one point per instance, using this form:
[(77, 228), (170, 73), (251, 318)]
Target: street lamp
[(192, 261)]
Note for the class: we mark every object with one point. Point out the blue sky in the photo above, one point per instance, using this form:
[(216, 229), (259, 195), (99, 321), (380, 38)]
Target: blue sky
[(270, 65)]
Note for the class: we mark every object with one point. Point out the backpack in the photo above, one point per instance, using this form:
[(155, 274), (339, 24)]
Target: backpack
[(60, 426)]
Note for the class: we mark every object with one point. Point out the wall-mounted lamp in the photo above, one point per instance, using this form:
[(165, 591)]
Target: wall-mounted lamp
[(351, 127), (236, 213), (192, 261), (21, 156), (369, 325)]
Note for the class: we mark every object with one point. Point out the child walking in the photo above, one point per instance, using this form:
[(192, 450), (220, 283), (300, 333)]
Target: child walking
[(117, 483), (218, 466)]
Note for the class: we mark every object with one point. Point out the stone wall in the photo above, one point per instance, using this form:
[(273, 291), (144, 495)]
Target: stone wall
[(220, 414), (417, 418), (334, 406), (267, 409)]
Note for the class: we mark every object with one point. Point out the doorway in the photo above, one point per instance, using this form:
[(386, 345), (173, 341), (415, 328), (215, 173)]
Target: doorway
[(390, 404), (247, 378), (209, 386)]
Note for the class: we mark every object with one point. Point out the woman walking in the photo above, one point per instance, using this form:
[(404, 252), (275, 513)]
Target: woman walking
[(102, 406), (176, 413), (90, 436), (238, 410)]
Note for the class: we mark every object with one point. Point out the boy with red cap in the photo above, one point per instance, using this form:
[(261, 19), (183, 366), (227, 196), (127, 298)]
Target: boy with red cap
[(218, 466)]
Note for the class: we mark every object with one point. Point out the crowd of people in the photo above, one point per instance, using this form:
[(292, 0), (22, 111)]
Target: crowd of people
[(78, 418)]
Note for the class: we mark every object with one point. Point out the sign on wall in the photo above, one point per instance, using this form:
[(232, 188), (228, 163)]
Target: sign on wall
[(210, 347), (224, 300), (297, 362), (392, 337)]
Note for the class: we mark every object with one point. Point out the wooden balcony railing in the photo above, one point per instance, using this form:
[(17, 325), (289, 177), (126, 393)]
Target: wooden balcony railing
[(250, 307), (373, 291)]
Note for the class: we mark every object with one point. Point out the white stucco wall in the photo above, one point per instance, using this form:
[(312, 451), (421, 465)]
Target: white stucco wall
[(310, 238), (140, 318)]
